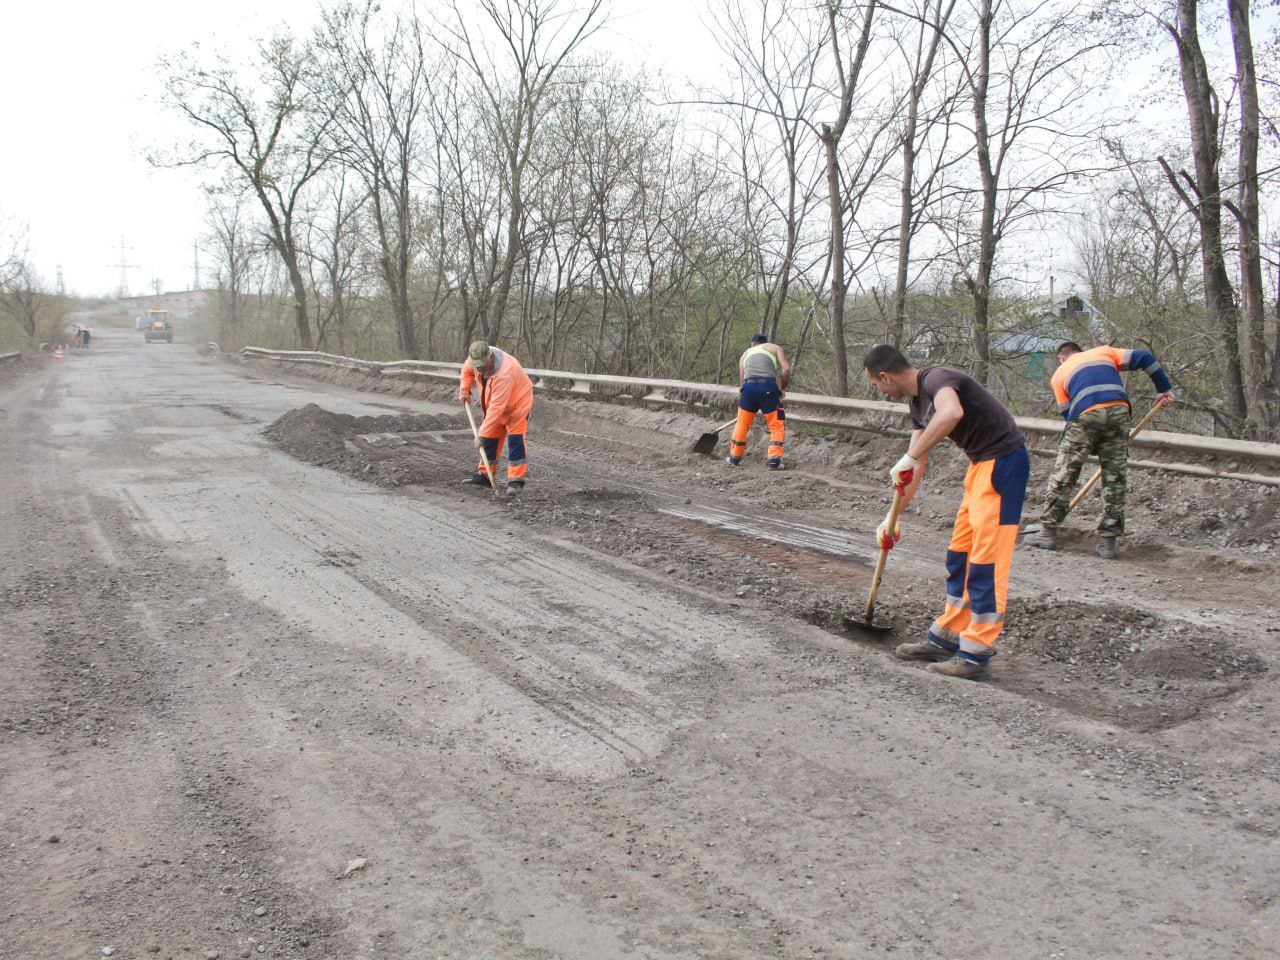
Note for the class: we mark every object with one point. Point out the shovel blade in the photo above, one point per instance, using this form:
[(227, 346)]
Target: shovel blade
[(869, 628), (706, 444)]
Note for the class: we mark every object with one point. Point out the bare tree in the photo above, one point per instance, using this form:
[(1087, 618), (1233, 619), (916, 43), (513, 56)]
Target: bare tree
[(230, 238), (847, 80), (915, 195), (26, 300), (1261, 395), (1202, 195), (775, 51), (537, 39), (377, 80), (267, 129)]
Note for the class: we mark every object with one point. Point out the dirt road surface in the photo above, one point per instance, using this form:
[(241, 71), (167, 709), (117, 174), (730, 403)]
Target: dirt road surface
[(615, 718)]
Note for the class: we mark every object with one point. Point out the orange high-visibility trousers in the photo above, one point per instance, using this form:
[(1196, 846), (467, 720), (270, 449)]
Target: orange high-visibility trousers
[(759, 396), (980, 556), (512, 430)]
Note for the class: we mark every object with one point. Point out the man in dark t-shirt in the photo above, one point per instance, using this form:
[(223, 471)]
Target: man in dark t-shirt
[(947, 403)]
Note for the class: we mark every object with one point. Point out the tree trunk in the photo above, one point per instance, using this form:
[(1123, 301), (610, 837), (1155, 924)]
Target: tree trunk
[(906, 214), (829, 140), (299, 285), (1251, 296), (1202, 111), (980, 285)]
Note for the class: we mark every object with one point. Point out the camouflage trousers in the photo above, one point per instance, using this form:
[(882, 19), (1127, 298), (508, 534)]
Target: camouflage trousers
[(1104, 431)]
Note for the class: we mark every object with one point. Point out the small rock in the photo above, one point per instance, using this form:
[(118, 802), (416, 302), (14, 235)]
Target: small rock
[(108, 951), (356, 863), (55, 839), (212, 955), (260, 911)]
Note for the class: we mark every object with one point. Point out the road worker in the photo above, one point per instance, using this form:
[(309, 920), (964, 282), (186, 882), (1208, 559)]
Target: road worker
[(506, 397), (764, 373), (1092, 399), (947, 403)]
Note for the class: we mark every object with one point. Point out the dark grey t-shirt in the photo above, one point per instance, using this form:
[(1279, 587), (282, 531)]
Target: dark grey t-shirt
[(986, 430)]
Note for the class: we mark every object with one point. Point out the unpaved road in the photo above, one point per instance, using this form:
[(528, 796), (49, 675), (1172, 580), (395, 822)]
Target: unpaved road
[(585, 725)]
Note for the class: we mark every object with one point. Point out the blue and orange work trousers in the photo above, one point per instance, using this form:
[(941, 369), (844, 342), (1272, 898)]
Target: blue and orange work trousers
[(980, 556), (511, 429), (759, 395)]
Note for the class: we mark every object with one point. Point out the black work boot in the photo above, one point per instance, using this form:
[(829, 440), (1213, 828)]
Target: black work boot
[(1107, 548), (514, 487), (1046, 539), (475, 480)]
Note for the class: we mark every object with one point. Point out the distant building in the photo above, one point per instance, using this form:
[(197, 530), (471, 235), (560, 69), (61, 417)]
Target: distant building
[(1070, 317)]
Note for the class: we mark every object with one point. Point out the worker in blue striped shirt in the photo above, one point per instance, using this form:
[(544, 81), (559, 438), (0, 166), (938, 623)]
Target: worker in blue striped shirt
[(1091, 397)]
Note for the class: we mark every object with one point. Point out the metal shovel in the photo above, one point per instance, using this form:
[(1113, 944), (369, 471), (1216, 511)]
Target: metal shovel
[(868, 624), (706, 443)]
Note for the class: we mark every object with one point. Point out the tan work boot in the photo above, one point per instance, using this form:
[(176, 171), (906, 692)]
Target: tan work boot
[(1107, 548), (961, 668), (923, 650), (1046, 539)]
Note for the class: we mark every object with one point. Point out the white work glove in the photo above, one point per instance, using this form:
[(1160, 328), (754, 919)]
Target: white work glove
[(884, 540), (903, 472)]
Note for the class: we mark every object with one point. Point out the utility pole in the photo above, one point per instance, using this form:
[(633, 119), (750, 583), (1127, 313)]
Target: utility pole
[(58, 286), (124, 266)]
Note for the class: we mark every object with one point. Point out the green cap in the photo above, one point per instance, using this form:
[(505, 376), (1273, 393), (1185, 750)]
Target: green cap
[(479, 353)]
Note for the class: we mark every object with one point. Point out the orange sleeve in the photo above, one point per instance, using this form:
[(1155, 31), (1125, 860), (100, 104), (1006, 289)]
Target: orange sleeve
[(1059, 384), (466, 380), (499, 395)]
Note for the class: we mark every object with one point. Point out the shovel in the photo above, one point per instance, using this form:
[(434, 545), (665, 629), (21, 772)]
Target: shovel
[(706, 443), (1142, 425), (1097, 475), (484, 457), (868, 624)]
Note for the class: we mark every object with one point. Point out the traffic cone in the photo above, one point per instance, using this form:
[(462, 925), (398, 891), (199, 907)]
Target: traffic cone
[(57, 354)]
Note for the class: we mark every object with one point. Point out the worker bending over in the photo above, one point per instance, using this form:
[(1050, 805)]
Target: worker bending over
[(506, 397), (765, 373), (1091, 397), (947, 403)]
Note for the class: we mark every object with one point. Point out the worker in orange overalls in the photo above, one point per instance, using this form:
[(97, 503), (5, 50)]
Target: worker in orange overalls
[(506, 397), (765, 374), (947, 403)]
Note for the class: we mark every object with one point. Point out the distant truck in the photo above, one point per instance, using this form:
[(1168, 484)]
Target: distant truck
[(158, 327)]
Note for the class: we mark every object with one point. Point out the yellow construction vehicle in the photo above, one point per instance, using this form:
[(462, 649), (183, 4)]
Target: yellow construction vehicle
[(158, 326)]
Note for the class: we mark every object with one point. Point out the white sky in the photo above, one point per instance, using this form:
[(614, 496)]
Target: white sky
[(79, 116), (78, 119)]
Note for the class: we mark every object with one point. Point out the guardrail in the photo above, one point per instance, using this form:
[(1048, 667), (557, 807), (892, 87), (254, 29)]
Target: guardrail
[(818, 407), (10, 356)]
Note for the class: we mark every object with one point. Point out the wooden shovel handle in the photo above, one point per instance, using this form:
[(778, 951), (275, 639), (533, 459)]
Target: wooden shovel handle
[(484, 457), (895, 510), (1142, 425)]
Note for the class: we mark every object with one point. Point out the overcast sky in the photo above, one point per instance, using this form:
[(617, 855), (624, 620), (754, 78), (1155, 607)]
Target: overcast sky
[(79, 116)]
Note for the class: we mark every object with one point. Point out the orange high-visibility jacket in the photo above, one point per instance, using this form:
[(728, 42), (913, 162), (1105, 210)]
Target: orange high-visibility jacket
[(506, 395), (1092, 379)]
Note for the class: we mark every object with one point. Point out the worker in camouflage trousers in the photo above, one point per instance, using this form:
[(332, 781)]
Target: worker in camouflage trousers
[(1092, 398)]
